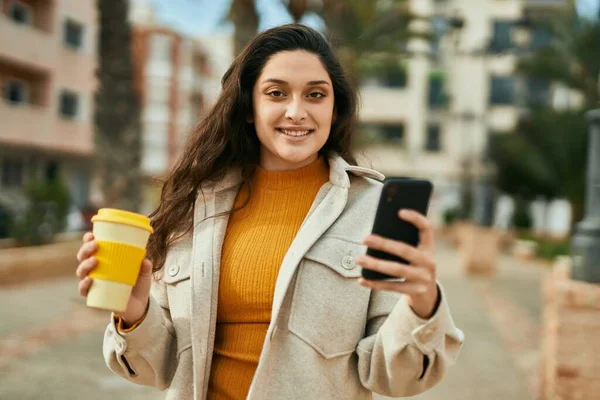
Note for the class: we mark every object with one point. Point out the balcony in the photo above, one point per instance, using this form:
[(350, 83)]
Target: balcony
[(386, 105), (34, 48), (544, 3), (41, 128)]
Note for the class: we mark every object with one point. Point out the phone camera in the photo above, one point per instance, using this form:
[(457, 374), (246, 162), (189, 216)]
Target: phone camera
[(391, 192)]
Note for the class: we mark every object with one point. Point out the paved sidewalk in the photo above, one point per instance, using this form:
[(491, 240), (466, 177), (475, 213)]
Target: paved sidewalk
[(500, 319), (58, 340)]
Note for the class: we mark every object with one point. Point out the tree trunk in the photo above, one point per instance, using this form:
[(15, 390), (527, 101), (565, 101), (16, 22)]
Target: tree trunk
[(117, 116), (244, 16)]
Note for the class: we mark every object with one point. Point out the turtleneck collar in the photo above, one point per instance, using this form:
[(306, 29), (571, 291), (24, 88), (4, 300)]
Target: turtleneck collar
[(277, 180)]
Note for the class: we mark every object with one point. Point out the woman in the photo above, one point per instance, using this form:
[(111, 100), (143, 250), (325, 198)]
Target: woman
[(258, 245)]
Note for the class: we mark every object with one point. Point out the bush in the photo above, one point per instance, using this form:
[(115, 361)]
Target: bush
[(46, 213), (522, 218), (452, 214), (5, 222), (549, 249)]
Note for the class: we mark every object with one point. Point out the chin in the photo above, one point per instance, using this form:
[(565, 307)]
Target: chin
[(297, 157)]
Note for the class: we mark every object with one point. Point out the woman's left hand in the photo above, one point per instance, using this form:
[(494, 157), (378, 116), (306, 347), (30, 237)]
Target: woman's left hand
[(420, 284)]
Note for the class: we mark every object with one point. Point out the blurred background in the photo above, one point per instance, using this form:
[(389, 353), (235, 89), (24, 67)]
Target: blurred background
[(489, 99)]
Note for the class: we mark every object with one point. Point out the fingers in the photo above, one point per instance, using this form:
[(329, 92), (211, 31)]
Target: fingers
[(411, 254), (394, 269), (88, 237), (408, 288), (84, 286), (87, 250), (85, 267), (146, 269), (426, 235)]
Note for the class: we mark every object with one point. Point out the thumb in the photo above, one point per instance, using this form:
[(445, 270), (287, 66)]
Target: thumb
[(144, 281), (146, 270)]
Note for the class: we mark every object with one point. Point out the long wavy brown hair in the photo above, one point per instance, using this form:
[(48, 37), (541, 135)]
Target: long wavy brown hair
[(224, 139)]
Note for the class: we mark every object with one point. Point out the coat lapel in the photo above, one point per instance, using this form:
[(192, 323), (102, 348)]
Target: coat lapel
[(209, 233)]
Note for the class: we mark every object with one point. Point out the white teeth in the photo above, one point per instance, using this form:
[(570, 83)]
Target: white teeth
[(294, 133)]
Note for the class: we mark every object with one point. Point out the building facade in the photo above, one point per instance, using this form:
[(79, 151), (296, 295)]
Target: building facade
[(458, 92), (47, 81), (170, 72)]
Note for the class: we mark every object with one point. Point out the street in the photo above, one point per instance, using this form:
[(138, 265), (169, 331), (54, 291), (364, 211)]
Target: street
[(50, 343)]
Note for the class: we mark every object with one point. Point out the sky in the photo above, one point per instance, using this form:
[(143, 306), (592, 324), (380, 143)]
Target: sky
[(206, 17)]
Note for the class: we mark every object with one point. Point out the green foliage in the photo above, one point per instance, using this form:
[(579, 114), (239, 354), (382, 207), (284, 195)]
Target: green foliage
[(571, 57), (452, 214), (46, 213), (522, 217), (5, 222), (546, 156), (389, 71), (549, 248)]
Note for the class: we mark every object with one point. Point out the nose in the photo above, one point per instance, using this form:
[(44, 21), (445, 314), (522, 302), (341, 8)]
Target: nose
[(295, 111)]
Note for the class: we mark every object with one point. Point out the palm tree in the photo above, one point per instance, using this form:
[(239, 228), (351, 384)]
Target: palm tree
[(370, 36), (545, 156), (244, 15), (571, 57), (547, 153), (117, 113)]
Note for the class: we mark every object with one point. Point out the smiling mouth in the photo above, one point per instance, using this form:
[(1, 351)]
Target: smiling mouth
[(294, 133)]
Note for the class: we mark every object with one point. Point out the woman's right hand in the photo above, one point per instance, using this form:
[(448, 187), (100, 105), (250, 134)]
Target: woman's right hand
[(138, 302)]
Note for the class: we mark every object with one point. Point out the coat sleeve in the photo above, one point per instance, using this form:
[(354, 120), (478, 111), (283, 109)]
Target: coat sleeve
[(402, 354), (147, 354)]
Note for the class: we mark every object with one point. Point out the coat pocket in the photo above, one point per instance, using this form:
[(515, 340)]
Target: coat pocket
[(176, 276), (329, 308)]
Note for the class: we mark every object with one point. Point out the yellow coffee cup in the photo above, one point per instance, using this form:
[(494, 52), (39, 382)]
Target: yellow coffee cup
[(121, 237)]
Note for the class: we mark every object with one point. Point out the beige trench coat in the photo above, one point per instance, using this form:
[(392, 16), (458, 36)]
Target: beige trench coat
[(329, 337)]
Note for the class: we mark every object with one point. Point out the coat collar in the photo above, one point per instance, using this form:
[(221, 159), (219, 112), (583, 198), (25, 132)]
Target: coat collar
[(339, 171)]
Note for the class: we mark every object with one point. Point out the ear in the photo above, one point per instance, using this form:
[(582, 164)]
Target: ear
[(334, 117)]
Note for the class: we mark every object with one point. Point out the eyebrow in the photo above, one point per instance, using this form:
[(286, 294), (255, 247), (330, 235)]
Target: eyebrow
[(282, 82)]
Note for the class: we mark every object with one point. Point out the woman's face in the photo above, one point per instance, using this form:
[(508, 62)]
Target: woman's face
[(293, 110)]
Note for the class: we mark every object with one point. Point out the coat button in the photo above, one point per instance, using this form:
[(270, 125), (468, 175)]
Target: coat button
[(173, 270), (348, 262)]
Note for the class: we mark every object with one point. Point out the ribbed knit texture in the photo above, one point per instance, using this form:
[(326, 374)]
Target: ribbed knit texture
[(257, 239)]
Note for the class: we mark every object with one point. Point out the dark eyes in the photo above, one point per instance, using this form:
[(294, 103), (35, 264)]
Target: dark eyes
[(275, 93), (279, 94)]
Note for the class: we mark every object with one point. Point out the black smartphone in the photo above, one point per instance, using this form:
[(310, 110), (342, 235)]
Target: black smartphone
[(397, 194)]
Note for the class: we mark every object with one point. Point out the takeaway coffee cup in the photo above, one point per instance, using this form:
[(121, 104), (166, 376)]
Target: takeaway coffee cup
[(121, 237)]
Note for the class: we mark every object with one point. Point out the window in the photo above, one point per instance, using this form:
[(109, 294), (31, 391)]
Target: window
[(160, 47), (501, 39), (69, 104), (73, 34), (393, 133), (12, 172), (21, 13), (16, 92), (538, 91), (502, 91), (436, 96), (540, 38), (432, 142)]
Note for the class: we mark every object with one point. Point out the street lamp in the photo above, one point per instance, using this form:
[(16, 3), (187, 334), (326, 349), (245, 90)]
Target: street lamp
[(585, 249)]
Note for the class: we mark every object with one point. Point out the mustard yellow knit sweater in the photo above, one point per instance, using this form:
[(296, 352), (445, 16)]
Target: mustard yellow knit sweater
[(257, 238)]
